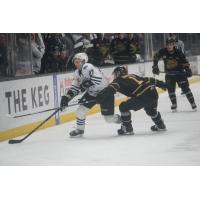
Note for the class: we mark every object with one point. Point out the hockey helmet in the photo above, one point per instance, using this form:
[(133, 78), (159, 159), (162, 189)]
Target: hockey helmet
[(170, 40), (120, 71), (80, 56)]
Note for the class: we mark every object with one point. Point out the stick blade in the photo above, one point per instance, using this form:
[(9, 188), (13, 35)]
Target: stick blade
[(14, 141)]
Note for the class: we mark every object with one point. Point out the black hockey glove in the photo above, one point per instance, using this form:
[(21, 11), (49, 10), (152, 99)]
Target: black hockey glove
[(64, 102), (155, 69), (188, 72), (86, 84)]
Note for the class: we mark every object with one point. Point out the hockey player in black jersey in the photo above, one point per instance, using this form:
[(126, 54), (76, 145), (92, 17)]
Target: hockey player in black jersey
[(142, 94), (177, 70)]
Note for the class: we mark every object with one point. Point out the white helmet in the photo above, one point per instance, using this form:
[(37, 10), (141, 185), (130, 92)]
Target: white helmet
[(81, 56)]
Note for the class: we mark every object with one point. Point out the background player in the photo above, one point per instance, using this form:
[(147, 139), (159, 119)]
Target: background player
[(177, 70), (89, 78)]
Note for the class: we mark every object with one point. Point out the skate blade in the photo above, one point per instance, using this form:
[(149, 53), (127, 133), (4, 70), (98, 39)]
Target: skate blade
[(174, 110), (161, 130), (127, 134), (76, 136)]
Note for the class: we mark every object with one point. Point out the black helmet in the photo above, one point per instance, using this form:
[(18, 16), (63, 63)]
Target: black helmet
[(170, 40), (120, 71)]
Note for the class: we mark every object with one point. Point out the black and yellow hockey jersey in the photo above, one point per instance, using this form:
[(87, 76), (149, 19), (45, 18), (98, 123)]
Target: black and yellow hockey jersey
[(173, 61), (132, 85)]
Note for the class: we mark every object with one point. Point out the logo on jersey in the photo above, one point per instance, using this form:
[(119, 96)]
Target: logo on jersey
[(91, 72)]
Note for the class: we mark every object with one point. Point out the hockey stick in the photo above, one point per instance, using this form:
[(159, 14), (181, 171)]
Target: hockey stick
[(14, 141)]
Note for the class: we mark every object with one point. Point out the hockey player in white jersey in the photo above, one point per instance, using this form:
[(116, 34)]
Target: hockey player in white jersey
[(89, 78)]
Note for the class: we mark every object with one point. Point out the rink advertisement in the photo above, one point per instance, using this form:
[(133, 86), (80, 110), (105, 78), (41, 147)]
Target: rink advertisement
[(24, 96)]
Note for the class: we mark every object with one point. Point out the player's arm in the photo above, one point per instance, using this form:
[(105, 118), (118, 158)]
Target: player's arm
[(156, 58), (71, 93), (156, 82), (185, 64), (111, 88)]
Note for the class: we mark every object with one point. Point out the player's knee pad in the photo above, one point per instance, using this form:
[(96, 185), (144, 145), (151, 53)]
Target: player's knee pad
[(81, 111), (123, 107)]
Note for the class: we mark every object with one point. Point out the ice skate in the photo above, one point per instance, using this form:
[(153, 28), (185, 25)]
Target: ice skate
[(126, 130), (174, 108), (194, 107), (76, 133), (159, 127)]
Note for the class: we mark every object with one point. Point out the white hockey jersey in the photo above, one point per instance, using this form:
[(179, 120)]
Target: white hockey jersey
[(89, 72)]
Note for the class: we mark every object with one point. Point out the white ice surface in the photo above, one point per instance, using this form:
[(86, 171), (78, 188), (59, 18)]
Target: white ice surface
[(180, 145)]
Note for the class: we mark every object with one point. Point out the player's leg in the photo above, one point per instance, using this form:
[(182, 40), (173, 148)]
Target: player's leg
[(136, 103), (171, 86), (182, 93), (126, 122), (107, 101), (125, 107), (184, 84), (81, 115), (156, 117)]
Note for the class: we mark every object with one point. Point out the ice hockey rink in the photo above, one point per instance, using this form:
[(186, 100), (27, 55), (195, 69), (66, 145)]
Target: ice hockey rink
[(179, 145)]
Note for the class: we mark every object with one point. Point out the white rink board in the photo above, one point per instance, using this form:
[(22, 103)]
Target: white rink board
[(24, 96)]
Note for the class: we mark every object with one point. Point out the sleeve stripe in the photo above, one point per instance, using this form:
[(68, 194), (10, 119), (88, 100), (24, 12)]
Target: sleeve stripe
[(95, 77), (96, 81), (74, 90), (74, 86)]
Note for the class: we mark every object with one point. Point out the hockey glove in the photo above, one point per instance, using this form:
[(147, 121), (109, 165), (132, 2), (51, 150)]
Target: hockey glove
[(64, 102), (188, 72), (155, 69), (86, 84)]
